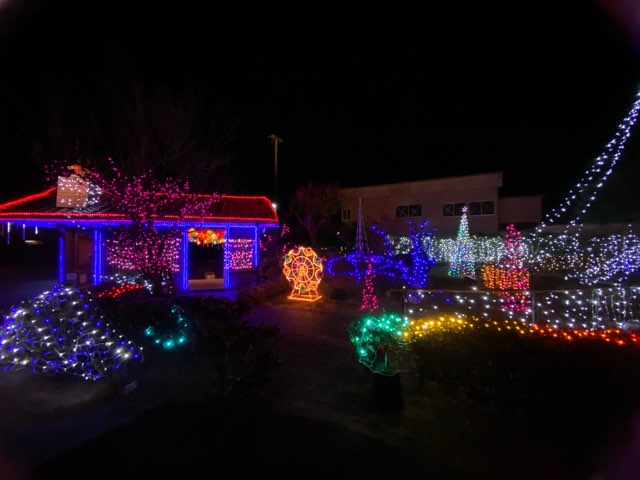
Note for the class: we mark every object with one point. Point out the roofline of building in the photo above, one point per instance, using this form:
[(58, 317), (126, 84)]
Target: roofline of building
[(414, 182), (26, 199), (64, 215), (523, 196)]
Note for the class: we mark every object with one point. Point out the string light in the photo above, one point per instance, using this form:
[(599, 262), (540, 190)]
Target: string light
[(590, 309), (119, 290), (369, 298), (587, 269), (170, 337), (510, 276), (462, 261), (206, 237), (303, 269), (241, 252), (425, 327), (141, 247), (150, 252), (380, 342), (77, 193), (63, 332)]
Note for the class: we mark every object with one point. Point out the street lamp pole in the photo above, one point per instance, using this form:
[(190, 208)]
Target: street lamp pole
[(276, 139)]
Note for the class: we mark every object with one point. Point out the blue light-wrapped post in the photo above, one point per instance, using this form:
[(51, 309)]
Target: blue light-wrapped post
[(226, 257), (61, 247), (97, 256), (256, 250), (184, 261)]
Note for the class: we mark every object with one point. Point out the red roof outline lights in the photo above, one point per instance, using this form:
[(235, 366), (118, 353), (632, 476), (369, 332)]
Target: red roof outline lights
[(26, 199), (88, 215)]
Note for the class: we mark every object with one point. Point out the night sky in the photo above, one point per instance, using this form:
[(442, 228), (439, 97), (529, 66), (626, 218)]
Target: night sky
[(365, 95)]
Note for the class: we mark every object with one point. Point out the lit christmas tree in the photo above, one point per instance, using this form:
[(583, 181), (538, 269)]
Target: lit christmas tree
[(462, 261)]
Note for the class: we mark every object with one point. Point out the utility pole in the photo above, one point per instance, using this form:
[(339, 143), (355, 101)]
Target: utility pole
[(275, 139)]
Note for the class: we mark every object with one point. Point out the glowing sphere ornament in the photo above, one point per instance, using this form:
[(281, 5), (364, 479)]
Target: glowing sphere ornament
[(303, 269)]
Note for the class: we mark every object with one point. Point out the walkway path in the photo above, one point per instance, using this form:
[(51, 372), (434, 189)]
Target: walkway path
[(23, 283)]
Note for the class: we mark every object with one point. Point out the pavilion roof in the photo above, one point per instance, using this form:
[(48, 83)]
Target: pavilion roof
[(42, 206)]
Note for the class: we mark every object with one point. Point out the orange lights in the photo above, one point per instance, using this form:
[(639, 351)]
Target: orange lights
[(424, 327), (513, 282), (206, 237), (303, 269)]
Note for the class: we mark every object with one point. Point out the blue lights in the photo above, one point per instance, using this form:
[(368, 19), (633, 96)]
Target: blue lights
[(226, 258), (256, 250), (99, 260), (97, 256), (62, 332), (184, 260), (61, 266)]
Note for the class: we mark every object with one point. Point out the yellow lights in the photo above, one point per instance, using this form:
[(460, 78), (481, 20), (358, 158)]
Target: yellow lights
[(425, 327), (496, 278)]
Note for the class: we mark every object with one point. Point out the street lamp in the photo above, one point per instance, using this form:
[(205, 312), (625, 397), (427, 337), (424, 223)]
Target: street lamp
[(275, 139)]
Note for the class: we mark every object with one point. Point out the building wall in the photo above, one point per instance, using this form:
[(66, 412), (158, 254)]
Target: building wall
[(78, 256), (523, 209), (379, 202)]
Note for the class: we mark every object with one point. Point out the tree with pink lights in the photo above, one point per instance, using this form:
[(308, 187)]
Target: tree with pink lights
[(369, 298), (143, 246), (516, 276), (514, 254)]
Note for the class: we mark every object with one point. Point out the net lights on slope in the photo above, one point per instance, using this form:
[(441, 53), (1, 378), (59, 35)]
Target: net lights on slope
[(588, 309), (63, 332)]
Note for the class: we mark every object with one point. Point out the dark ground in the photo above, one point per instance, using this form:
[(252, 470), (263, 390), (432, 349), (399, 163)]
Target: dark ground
[(319, 418)]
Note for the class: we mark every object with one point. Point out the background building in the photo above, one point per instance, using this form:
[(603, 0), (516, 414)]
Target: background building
[(440, 201)]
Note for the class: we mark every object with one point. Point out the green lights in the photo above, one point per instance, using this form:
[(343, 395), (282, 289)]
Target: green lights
[(380, 342), (170, 337)]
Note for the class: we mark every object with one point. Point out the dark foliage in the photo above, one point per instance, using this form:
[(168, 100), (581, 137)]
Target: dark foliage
[(339, 294), (265, 291), (242, 355), (576, 390)]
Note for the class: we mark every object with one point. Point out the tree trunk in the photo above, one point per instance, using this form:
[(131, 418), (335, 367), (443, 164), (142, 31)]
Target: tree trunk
[(387, 391)]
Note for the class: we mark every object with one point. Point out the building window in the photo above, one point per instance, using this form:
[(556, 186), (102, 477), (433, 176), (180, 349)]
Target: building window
[(452, 209), (404, 211), (481, 208), (346, 214)]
